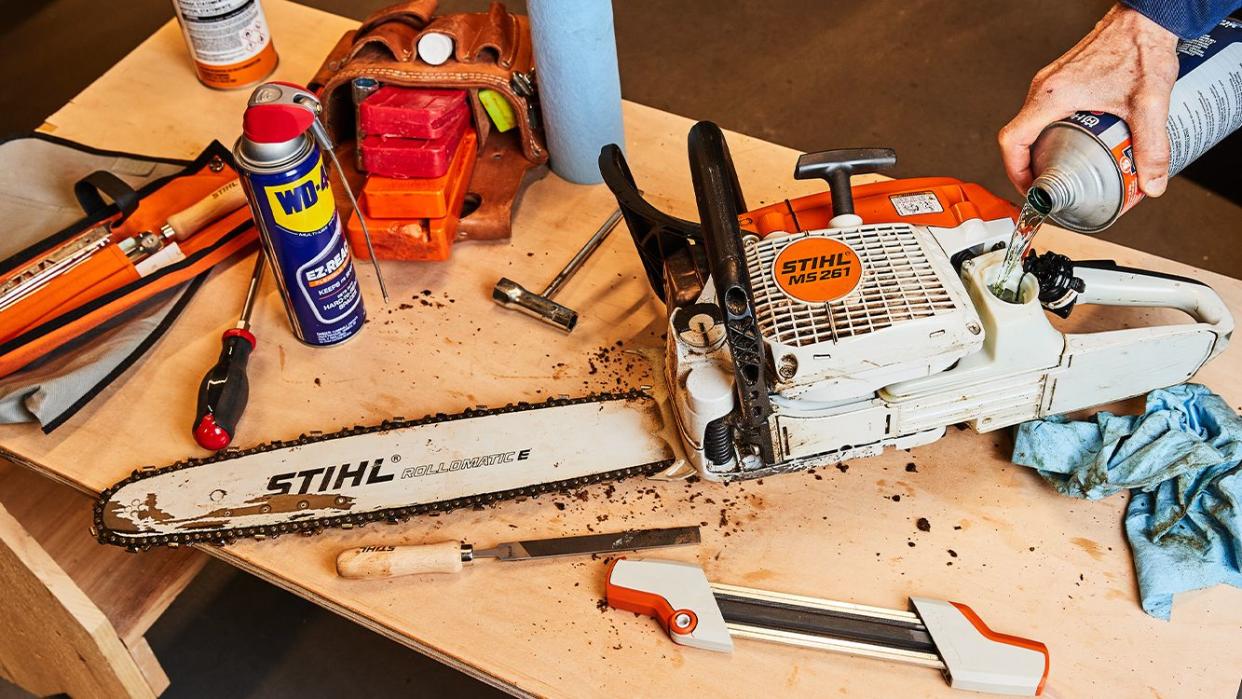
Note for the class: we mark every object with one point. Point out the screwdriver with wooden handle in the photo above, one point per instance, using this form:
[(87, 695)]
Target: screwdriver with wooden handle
[(451, 556)]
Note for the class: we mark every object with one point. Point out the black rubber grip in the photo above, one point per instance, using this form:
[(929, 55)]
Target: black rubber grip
[(223, 394)]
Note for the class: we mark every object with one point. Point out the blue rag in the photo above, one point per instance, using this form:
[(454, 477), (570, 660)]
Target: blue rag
[(1180, 460)]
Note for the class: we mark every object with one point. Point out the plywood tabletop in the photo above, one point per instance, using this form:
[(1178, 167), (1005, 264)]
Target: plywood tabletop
[(1029, 561)]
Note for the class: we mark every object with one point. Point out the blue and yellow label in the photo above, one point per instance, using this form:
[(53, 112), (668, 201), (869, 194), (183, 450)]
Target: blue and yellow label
[(304, 205), (302, 232)]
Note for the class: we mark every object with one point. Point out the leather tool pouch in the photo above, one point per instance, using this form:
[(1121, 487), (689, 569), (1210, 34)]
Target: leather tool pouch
[(490, 49), (55, 357)]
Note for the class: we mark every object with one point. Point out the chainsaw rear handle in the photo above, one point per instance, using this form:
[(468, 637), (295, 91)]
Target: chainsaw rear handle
[(1109, 284)]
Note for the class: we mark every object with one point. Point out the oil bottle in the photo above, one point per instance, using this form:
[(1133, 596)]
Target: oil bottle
[(1085, 177)]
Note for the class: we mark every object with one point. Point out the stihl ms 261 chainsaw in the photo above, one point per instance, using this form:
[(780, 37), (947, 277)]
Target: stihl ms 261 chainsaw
[(800, 334), (822, 329)]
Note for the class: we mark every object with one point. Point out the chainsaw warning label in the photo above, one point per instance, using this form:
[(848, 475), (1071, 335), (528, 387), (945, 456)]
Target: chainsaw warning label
[(817, 270), (915, 203)]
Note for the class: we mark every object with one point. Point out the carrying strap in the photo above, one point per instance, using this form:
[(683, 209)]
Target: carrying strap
[(90, 191)]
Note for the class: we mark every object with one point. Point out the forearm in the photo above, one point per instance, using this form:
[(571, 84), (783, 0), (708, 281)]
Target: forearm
[(1185, 18)]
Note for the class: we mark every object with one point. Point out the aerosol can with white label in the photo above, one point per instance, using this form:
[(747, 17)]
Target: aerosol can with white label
[(1085, 177)]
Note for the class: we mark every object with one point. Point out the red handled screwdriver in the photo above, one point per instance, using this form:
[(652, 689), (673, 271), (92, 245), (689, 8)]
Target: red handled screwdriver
[(223, 394)]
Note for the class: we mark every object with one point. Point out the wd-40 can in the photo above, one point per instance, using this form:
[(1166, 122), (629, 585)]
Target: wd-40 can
[(286, 180), (1084, 164)]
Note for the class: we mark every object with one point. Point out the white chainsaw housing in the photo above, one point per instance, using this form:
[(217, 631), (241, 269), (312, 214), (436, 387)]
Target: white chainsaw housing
[(917, 347)]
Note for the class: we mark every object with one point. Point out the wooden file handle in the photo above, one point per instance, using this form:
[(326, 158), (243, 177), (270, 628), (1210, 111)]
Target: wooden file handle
[(392, 561), (224, 200)]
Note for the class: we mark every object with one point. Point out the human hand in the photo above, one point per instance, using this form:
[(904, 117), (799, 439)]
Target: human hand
[(1126, 66)]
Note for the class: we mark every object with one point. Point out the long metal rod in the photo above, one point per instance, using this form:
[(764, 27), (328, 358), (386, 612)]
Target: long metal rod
[(818, 603), (256, 278), (903, 628), (587, 250), (836, 645), (17, 288), (366, 232)]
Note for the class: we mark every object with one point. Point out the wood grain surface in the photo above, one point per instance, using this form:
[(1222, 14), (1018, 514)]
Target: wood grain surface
[(1029, 561)]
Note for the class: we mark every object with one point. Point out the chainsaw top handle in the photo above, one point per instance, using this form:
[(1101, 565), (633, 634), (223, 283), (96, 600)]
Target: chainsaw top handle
[(720, 201)]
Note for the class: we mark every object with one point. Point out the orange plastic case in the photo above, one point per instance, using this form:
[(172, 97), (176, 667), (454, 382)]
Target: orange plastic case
[(415, 237), (891, 201), (85, 298)]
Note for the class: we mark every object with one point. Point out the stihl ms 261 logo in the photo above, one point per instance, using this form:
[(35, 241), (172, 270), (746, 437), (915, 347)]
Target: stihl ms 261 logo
[(370, 472), (817, 270)]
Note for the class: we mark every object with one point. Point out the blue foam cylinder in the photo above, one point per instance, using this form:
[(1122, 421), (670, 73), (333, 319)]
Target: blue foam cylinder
[(579, 86)]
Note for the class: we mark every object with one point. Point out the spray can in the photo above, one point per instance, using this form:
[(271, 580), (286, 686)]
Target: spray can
[(229, 41), (1084, 164), (281, 159)]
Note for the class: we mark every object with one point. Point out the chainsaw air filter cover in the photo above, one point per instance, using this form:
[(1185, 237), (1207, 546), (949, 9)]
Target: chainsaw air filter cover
[(848, 311)]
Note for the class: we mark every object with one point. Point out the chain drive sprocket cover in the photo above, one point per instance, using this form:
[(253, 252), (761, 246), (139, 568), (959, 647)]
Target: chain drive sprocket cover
[(387, 472)]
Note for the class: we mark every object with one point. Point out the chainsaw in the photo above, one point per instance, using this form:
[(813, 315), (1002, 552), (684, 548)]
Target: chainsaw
[(830, 327), (800, 334)]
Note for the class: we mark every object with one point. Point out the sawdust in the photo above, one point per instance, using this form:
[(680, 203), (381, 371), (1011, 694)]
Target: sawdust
[(612, 368)]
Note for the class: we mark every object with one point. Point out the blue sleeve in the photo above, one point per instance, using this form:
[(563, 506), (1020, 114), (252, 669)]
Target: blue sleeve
[(1185, 18)]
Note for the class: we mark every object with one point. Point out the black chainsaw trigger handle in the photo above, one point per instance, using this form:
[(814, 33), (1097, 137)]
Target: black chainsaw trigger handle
[(720, 201), (837, 166), (657, 236)]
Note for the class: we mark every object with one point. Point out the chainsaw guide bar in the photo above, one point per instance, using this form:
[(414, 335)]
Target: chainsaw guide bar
[(469, 459)]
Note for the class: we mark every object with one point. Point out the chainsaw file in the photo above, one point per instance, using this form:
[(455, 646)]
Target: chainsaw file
[(827, 328), (946, 636)]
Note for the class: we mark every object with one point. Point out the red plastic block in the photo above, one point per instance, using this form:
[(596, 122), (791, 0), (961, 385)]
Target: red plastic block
[(411, 112), (416, 197), (412, 157)]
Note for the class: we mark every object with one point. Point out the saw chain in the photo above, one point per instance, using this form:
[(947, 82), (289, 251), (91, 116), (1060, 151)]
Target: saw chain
[(350, 520)]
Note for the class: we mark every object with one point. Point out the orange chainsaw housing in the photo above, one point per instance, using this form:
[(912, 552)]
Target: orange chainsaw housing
[(959, 201)]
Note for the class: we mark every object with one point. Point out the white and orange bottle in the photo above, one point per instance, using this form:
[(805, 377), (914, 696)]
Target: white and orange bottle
[(229, 41)]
